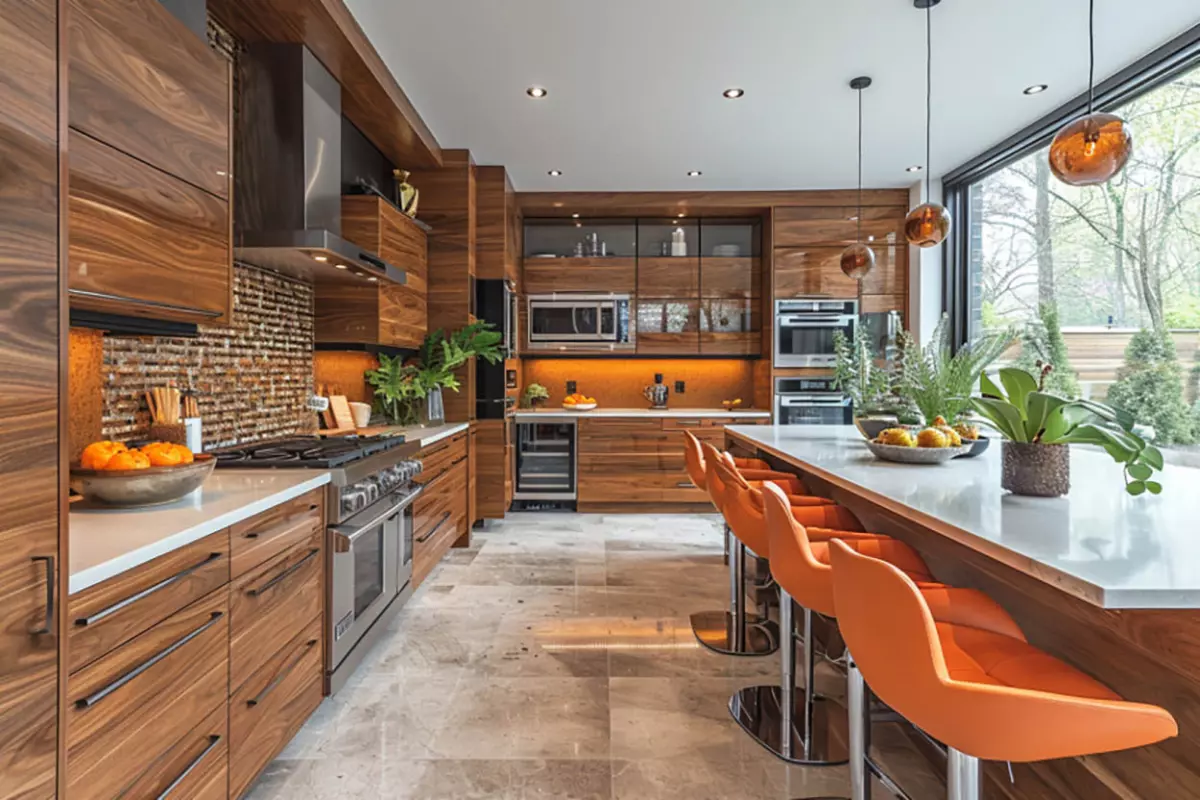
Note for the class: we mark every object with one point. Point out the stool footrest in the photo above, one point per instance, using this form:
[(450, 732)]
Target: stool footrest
[(758, 710), (718, 631)]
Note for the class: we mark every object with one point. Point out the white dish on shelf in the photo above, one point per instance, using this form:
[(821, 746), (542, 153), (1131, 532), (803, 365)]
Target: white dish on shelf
[(580, 406), (727, 250)]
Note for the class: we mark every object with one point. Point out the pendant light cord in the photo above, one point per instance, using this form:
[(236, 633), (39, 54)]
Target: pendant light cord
[(858, 236), (1091, 55), (929, 100)]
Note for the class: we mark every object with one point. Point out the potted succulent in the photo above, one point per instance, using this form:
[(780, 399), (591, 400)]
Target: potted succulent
[(535, 396), (406, 390), (871, 388), (1038, 426)]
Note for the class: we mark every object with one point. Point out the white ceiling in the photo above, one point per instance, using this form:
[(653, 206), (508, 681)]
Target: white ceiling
[(635, 85)]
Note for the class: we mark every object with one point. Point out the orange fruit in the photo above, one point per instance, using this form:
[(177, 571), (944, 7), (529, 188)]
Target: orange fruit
[(162, 456), (97, 454), (185, 455), (128, 459)]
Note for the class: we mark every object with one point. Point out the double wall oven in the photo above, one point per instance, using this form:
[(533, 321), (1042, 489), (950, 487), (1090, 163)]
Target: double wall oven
[(805, 329), (579, 320), (811, 401)]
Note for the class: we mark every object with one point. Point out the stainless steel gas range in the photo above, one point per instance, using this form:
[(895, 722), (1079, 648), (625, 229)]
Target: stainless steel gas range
[(369, 516)]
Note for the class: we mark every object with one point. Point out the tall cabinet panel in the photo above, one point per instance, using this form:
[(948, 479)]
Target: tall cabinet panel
[(29, 342)]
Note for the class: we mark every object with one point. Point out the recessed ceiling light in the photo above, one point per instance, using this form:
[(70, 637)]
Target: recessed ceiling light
[(536, 92), (320, 258), (222, 173), (915, 168), (574, 216), (733, 94), (554, 173), (681, 216), (340, 266), (695, 173), (372, 278), (1037, 88)]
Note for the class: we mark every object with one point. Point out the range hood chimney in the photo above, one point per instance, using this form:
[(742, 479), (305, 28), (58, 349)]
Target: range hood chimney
[(288, 161)]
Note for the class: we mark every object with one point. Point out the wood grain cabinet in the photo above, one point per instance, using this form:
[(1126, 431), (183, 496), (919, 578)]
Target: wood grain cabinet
[(730, 327), (440, 514), (668, 326), (738, 277), (548, 275), (816, 270), (149, 151), (30, 559), (668, 277)]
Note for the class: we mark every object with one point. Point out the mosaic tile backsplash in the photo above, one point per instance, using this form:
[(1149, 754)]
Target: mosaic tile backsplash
[(252, 378)]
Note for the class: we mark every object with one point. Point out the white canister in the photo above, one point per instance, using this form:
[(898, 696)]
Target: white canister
[(192, 434), (361, 413)]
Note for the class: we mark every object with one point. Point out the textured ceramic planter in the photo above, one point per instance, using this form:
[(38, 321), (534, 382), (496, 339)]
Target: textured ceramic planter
[(1037, 470)]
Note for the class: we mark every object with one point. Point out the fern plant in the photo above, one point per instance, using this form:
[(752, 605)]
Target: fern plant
[(401, 387), (937, 379), (856, 374)]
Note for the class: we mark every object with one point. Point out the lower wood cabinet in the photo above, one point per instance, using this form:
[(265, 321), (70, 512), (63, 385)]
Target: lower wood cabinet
[(196, 768), (635, 463), (441, 513)]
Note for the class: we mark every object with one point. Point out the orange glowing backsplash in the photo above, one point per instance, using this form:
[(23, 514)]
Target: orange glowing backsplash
[(342, 373), (618, 383)]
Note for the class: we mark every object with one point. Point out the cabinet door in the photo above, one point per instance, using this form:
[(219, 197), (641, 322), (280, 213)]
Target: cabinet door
[(611, 274), (838, 225), (730, 327), (29, 488), (735, 277), (668, 277), (143, 242), (668, 327), (141, 82), (801, 271)]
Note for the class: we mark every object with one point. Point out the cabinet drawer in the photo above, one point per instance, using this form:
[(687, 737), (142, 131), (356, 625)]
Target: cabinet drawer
[(196, 768), (146, 85), (111, 613), (439, 518), (269, 605), (438, 458), (142, 242), (270, 533), (128, 708), (636, 478), (266, 712)]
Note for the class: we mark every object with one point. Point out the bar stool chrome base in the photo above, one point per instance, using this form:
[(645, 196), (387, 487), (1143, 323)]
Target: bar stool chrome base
[(722, 633), (759, 710)]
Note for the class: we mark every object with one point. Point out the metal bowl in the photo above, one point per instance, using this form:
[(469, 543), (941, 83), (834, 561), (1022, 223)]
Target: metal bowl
[(142, 487), (871, 427), (975, 447), (915, 455)]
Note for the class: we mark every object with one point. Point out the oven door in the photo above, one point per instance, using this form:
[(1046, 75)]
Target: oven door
[(806, 340), (372, 560), (816, 409)]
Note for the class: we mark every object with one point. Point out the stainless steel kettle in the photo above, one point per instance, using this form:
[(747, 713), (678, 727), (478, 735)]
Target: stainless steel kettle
[(657, 392)]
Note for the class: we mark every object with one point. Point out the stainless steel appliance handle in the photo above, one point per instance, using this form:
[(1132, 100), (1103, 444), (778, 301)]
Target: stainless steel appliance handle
[(281, 577), (97, 696), (283, 673), (351, 534), (128, 601), (213, 741), (813, 321), (797, 402), (48, 622)]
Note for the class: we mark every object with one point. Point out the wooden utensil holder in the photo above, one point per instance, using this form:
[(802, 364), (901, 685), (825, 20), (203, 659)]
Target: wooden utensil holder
[(173, 432)]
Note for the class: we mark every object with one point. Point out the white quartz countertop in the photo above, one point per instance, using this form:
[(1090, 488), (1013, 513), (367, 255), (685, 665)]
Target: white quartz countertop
[(107, 541), (431, 435), (688, 413), (1097, 543)]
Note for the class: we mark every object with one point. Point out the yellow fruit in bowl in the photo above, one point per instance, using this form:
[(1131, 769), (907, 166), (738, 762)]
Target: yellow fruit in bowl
[(97, 454), (568, 401), (896, 437), (969, 433), (952, 437), (932, 437), (939, 422), (128, 460)]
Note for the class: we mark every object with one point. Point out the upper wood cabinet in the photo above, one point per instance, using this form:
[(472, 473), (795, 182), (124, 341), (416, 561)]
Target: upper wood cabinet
[(738, 277), (30, 562), (668, 277), (838, 225), (143, 83), (498, 233), (802, 271), (547, 275)]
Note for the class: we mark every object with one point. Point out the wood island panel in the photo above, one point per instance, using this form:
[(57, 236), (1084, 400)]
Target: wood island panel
[(30, 425)]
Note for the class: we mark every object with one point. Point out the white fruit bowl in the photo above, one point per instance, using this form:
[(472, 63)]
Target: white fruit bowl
[(581, 407)]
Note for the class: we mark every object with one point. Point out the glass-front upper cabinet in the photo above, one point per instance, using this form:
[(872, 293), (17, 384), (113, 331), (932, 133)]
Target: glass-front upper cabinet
[(730, 238), (668, 238), (580, 238)]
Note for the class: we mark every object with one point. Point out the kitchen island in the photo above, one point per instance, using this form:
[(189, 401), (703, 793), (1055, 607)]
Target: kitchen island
[(1108, 582)]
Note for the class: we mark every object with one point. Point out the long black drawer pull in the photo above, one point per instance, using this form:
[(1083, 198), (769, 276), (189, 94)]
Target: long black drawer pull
[(283, 673), (436, 528), (96, 697), (48, 622), (281, 577), (148, 303), (287, 522), (213, 741), (685, 485), (128, 601)]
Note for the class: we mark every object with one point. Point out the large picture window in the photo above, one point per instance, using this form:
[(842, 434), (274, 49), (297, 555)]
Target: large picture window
[(1104, 280)]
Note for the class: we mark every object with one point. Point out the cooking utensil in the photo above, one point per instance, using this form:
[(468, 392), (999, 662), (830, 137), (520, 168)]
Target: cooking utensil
[(142, 487)]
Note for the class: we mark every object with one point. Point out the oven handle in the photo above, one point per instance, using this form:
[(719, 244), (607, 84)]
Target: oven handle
[(796, 402), (813, 321), (347, 535)]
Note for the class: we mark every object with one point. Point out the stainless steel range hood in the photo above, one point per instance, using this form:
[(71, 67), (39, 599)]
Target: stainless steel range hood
[(288, 161)]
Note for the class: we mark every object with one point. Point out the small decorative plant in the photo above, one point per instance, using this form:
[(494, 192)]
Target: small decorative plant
[(937, 379), (534, 396), (1028, 417), (855, 373), (401, 388)]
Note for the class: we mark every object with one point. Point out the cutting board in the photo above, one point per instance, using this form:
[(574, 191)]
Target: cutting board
[(343, 418)]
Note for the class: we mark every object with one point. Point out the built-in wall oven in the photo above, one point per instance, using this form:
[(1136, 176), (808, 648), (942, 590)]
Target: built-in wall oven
[(372, 565), (579, 320), (805, 328), (811, 401)]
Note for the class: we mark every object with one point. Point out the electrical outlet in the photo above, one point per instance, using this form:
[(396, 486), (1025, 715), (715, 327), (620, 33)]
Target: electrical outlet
[(680, 387), (571, 387)]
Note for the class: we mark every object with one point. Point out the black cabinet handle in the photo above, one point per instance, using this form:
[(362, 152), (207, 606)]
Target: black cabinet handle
[(436, 528), (255, 592), (213, 741), (128, 601), (283, 673), (685, 485), (148, 303), (95, 697), (48, 622), (287, 520)]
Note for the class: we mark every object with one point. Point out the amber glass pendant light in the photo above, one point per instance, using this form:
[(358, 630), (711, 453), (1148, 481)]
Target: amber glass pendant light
[(858, 260), (1095, 147), (928, 224)]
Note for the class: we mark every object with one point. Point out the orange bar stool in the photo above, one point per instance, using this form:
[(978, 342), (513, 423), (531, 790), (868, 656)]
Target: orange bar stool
[(735, 631), (986, 694)]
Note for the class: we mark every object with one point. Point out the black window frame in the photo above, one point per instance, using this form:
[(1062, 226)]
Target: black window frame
[(1177, 56)]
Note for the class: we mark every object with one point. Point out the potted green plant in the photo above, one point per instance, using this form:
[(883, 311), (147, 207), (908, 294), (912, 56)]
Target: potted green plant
[(870, 387), (534, 396), (1038, 426), (938, 379), (406, 389)]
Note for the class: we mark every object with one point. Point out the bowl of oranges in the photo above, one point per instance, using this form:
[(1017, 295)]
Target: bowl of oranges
[(156, 473), (935, 444), (579, 402)]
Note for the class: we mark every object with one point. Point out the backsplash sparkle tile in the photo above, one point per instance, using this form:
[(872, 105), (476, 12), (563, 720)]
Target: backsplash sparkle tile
[(253, 377)]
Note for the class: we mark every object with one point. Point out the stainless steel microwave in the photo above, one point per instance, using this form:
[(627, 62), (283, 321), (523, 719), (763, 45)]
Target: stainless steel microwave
[(574, 320)]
